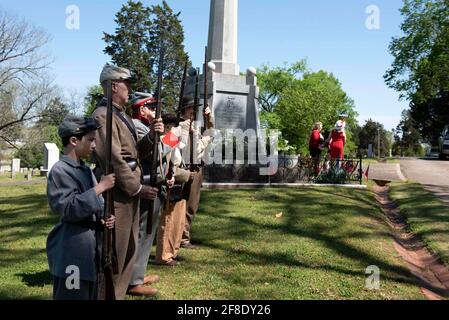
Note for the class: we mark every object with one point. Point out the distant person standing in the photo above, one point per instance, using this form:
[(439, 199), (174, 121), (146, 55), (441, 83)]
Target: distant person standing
[(337, 141), (316, 140)]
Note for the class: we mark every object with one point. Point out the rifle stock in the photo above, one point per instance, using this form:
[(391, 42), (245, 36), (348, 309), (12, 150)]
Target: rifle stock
[(109, 259)]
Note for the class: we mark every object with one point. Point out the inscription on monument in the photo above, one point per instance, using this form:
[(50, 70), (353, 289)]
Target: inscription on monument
[(230, 111)]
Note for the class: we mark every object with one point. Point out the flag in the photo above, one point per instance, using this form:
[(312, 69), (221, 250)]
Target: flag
[(170, 139), (366, 173)]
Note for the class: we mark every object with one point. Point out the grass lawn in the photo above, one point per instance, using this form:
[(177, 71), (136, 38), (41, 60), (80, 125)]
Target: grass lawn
[(319, 248), (367, 161), (6, 177), (427, 216)]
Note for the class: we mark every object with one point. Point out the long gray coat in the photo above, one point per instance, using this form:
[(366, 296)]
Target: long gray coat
[(71, 195)]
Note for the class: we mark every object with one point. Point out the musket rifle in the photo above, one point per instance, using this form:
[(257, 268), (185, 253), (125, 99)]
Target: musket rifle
[(181, 94), (206, 94), (109, 258), (193, 119), (157, 138)]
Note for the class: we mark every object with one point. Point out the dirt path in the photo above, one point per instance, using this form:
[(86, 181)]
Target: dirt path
[(431, 273)]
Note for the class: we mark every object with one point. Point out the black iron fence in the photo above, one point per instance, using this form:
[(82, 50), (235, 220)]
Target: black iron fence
[(291, 169)]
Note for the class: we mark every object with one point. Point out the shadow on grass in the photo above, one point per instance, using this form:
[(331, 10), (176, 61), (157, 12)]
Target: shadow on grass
[(37, 279), (23, 220), (326, 228)]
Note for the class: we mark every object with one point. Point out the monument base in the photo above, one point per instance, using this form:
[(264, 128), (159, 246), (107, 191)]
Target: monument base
[(233, 100)]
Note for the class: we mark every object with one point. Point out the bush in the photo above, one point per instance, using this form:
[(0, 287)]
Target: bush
[(335, 175)]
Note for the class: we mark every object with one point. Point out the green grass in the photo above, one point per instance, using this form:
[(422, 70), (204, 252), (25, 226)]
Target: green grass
[(427, 216), (6, 177), (319, 249), (367, 161)]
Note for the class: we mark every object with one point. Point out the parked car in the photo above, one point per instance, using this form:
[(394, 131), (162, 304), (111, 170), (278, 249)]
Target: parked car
[(444, 143)]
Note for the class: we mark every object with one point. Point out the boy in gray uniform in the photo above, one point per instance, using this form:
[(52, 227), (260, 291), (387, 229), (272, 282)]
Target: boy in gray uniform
[(74, 244)]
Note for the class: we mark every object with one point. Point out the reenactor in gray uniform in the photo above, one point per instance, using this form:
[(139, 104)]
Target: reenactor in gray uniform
[(143, 108), (74, 245), (126, 151)]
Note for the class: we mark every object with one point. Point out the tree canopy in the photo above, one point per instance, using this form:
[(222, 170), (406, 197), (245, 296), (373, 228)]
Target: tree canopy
[(294, 98), (420, 69), (136, 46)]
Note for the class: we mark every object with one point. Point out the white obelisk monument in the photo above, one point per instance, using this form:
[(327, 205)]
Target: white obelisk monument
[(222, 42), (232, 97)]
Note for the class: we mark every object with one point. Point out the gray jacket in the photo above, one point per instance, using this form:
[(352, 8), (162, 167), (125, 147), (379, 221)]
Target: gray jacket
[(71, 195)]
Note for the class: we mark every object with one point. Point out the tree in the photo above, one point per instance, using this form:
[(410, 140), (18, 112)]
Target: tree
[(275, 80), (420, 70), (136, 45), (295, 99), (370, 133), (130, 46), (166, 24), (92, 98), (23, 103), (407, 139), (24, 89), (22, 49)]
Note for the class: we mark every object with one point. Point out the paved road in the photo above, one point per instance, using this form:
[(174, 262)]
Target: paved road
[(432, 173)]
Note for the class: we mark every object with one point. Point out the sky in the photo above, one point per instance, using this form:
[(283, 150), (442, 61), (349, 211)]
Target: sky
[(332, 36)]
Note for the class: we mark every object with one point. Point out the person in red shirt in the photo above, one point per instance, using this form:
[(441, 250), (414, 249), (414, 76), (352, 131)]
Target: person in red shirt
[(315, 145), (337, 140), (316, 139)]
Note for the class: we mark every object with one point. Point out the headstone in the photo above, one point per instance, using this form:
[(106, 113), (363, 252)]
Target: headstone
[(15, 165), (29, 176), (51, 156)]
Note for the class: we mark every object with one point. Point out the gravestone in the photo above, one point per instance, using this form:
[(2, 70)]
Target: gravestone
[(51, 156), (15, 165)]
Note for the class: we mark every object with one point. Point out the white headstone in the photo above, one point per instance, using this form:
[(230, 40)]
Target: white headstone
[(15, 165), (51, 156)]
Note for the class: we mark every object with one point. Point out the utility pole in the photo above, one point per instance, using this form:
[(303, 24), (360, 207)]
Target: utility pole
[(378, 142)]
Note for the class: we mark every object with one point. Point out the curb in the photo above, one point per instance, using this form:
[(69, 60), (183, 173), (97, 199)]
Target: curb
[(399, 172), (213, 186)]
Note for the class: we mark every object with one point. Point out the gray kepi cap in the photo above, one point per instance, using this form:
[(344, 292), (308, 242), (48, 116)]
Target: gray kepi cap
[(111, 72), (75, 125)]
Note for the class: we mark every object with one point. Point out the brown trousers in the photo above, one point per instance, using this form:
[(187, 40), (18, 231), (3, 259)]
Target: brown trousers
[(126, 239), (192, 205), (169, 231)]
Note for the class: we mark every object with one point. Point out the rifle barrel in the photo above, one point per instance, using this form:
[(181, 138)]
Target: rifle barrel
[(157, 138)]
